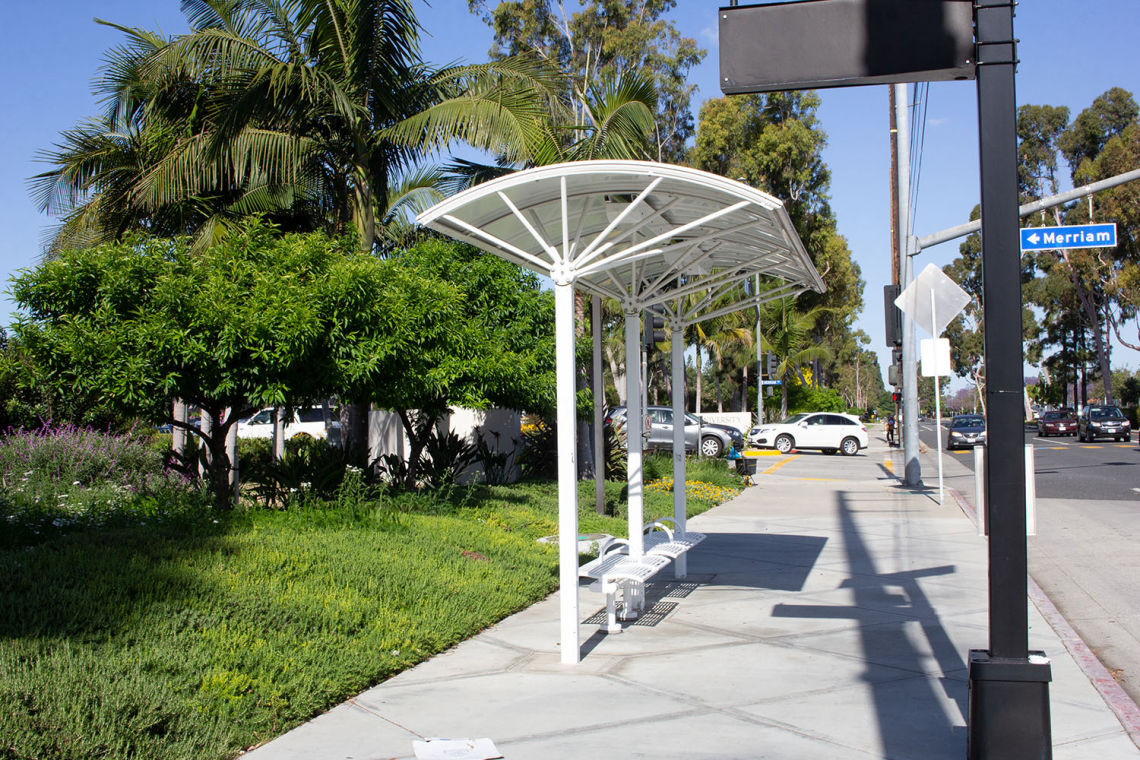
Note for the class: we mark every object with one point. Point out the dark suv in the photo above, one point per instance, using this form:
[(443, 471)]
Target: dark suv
[(1099, 421)]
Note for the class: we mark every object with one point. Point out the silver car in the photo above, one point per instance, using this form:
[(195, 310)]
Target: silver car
[(709, 438)]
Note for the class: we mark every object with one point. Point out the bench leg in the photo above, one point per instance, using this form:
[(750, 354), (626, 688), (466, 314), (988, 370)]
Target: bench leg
[(680, 567), (611, 625), (633, 599)]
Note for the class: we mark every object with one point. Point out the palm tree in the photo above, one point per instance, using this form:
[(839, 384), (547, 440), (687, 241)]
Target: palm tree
[(309, 110), (789, 334)]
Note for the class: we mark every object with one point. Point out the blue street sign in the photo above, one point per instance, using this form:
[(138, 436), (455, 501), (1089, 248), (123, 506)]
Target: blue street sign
[(771, 382), (1073, 236)]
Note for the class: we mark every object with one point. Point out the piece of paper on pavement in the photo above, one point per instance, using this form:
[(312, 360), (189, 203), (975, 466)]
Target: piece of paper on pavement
[(455, 749)]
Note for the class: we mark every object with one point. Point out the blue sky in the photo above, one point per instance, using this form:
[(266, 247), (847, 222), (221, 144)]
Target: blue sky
[(1070, 52)]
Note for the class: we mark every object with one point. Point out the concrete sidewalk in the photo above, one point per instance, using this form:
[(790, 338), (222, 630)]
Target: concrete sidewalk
[(828, 615)]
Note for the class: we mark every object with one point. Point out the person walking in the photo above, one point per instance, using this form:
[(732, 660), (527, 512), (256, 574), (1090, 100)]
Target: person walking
[(890, 430)]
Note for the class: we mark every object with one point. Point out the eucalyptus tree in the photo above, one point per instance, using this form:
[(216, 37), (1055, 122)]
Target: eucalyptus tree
[(774, 143), (1103, 140), (605, 39)]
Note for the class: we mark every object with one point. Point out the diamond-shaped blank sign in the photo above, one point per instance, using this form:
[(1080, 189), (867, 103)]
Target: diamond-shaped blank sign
[(932, 300)]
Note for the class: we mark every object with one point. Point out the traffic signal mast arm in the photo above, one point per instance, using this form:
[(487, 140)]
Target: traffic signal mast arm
[(1054, 200)]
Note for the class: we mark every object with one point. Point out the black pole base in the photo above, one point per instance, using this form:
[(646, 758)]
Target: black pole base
[(1009, 708)]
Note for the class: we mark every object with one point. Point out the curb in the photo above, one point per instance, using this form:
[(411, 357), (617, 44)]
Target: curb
[(1118, 700)]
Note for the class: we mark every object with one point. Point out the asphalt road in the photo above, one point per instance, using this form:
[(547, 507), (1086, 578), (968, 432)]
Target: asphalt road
[(1069, 469), (1086, 554)]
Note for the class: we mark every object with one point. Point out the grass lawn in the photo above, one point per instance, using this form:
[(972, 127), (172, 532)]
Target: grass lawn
[(202, 634)]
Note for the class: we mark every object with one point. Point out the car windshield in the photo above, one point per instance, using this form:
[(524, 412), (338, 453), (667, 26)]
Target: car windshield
[(1109, 413), (970, 421), (1055, 416), (793, 419), (264, 417)]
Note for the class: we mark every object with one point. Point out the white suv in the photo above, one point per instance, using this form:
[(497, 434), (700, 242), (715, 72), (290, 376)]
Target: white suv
[(827, 431), (305, 422)]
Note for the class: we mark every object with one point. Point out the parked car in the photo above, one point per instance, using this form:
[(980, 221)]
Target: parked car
[(1099, 421), (709, 438), (966, 431), (1057, 422), (827, 431), (304, 422)]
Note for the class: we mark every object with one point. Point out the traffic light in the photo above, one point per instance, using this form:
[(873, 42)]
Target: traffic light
[(772, 364), (653, 332), (894, 372), (896, 397)]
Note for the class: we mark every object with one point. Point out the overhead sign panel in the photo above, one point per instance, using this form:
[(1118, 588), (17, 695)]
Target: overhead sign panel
[(840, 43), (1072, 236)]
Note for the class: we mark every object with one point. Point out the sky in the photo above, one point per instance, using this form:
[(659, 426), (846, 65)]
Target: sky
[(1070, 52)]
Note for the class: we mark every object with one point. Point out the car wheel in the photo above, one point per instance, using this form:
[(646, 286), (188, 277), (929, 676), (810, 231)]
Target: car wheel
[(829, 451), (784, 443), (849, 447), (711, 447)]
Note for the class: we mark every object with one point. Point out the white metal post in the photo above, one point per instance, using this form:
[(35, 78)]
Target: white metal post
[(633, 427), (599, 404), (677, 358), (937, 399), (980, 487), (1030, 492), (567, 470)]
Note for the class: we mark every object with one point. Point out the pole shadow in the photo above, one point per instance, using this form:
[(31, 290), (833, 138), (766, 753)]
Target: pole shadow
[(915, 717)]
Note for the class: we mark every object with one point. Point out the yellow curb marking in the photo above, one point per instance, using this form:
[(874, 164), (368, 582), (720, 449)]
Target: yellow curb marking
[(772, 453), (781, 463), (889, 465)]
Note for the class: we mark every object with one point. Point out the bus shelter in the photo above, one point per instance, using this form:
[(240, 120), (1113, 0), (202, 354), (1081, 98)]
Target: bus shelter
[(675, 241)]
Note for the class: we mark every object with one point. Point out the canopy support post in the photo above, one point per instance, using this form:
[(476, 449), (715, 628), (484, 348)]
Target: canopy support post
[(633, 424), (599, 409), (677, 348), (567, 469)]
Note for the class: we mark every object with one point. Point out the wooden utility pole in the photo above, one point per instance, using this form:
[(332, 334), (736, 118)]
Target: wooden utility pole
[(894, 190)]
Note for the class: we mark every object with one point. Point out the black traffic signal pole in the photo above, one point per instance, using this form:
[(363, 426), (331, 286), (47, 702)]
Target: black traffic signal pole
[(1009, 699)]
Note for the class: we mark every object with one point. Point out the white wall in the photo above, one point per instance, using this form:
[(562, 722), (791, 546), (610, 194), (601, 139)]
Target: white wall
[(742, 421), (386, 435)]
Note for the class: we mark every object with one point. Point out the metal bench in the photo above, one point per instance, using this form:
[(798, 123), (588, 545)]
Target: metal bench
[(614, 570), (662, 539)]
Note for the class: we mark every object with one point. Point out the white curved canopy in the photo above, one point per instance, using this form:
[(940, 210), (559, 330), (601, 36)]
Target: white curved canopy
[(644, 233), (653, 236)]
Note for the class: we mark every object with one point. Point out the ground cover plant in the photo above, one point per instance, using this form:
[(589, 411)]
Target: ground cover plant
[(169, 629)]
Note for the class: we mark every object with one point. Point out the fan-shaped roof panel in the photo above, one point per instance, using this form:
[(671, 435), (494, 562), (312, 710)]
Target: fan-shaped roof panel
[(641, 232)]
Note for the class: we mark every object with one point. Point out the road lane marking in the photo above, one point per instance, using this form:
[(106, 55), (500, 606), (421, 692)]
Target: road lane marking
[(1092, 447), (781, 463)]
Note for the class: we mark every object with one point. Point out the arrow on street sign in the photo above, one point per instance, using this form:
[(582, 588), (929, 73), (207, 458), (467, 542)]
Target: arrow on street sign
[(1071, 236)]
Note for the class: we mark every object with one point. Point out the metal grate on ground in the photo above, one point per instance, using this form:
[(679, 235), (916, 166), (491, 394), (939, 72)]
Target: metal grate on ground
[(649, 618)]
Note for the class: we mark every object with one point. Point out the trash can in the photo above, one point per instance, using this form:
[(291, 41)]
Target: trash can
[(746, 466)]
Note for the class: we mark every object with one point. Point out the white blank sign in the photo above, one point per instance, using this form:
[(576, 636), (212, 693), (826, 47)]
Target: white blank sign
[(934, 353)]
